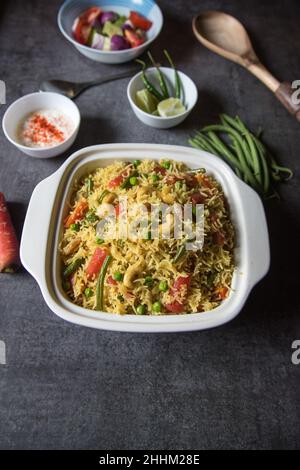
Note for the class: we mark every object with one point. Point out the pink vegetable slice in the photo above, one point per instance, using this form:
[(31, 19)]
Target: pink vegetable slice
[(9, 246)]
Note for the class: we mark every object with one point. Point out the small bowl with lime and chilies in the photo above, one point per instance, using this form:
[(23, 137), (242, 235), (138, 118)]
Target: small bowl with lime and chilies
[(161, 97)]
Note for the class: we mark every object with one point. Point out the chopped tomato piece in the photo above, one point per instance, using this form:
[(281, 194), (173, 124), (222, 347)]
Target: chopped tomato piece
[(140, 21), (160, 170), (81, 31), (91, 15), (115, 182), (198, 198), (95, 263), (218, 238), (222, 293), (175, 307), (77, 214), (117, 210), (182, 282), (9, 246), (111, 281), (133, 39)]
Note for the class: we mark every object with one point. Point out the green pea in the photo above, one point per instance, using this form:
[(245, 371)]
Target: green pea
[(88, 292), (75, 227), (118, 276), (141, 310), (120, 297), (163, 286), (154, 178), (133, 180), (166, 165), (136, 163), (156, 307), (149, 281)]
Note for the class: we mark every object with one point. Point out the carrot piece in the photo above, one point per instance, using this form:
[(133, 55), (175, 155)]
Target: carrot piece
[(77, 214), (9, 246)]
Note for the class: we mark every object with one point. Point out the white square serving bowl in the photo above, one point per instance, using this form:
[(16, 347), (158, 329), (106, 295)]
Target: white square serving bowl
[(44, 224)]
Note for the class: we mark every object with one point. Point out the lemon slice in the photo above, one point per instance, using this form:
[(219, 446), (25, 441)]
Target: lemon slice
[(146, 102), (170, 107)]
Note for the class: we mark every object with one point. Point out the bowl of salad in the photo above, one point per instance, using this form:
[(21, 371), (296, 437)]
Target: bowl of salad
[(113, 31)]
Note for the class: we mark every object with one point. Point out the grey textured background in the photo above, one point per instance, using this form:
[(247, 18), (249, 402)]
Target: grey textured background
[(234, 387)]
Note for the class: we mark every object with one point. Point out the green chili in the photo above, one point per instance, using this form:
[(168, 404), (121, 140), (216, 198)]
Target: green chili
[(162, 82), (178, 85), (148, 85)]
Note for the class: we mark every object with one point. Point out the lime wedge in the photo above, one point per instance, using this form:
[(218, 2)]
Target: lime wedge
[(170, 107), (146, 102)]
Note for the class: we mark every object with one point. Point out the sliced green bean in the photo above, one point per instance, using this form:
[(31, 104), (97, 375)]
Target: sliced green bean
[(100, 283), (71, 268)]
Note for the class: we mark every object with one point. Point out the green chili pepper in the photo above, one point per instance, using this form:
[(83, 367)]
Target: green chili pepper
[(148, 85), (178, 85), (100, 283), (162, 82)]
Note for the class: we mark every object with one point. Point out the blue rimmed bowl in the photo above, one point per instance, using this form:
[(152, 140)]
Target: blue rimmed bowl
[(71, 9)]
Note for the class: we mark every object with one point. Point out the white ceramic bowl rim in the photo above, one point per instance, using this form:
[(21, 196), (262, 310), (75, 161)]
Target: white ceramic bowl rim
[(39, 248), (122, 52), (162, 118), (76, 118)]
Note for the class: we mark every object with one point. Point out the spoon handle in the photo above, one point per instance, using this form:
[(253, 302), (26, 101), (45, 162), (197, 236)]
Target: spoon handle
[(110, 78), (283, 91)]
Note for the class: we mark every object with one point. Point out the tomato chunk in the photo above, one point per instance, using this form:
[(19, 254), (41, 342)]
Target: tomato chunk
[(198, 198), (222, 293), (133, 39), (111, 281), (218, 238), (115, 182), (77, 214), (182, 282), (140, 21), (91, 15), (95, 263)]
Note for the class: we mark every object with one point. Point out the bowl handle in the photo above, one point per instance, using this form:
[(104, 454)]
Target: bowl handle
[(256, 233), (36, 228)]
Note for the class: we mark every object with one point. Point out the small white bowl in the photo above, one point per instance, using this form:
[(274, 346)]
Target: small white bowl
[(190, 97), (71, 9), (28, 104)]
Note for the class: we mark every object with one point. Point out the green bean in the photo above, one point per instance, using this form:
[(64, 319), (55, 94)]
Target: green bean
[(100, 283), (162, 82), (71, 268), (89, 186), (178, 86), (102, 196), (148, 85), (265, 169), (213, 148), (245, 168), (234, 133), (180, 253)]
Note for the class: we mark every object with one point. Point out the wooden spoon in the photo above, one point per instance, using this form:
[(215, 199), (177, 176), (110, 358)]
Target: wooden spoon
[(225, 35)]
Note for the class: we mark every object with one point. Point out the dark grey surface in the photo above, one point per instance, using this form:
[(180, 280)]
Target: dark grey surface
[(66, 386)]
